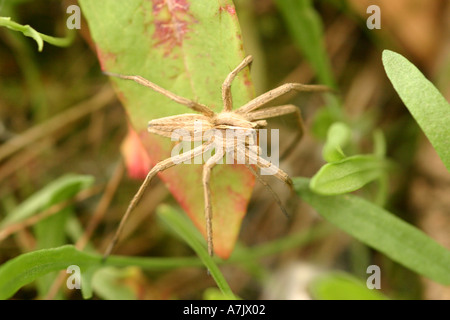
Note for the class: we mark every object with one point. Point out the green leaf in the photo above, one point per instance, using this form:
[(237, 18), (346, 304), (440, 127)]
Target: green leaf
[(426, 104), (348, 174), (58, 190), (342, 286), (338, 137), (29, 266), (382, 231), (178, 223), (188, 48), (37, 36), (49, 232)]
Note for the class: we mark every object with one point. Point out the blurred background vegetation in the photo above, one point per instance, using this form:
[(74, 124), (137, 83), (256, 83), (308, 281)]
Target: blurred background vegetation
[(59, 115)]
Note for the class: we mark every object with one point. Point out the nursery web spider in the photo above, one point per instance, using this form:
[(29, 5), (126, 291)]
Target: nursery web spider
[(247, 118)]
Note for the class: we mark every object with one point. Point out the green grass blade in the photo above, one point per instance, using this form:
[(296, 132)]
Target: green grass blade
[(50, 232), (382, 231), (28, 267), (184, 228), (306, 29), (426, 104)]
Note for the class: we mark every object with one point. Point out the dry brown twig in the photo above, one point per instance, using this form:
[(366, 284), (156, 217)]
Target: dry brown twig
[(246, 119)]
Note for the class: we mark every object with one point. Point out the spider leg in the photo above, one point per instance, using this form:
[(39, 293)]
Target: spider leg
[(275, 93), (159, 167), (262, 163), (207, 168), (226, 86), (264, 183), (181, 100), (280, 111)]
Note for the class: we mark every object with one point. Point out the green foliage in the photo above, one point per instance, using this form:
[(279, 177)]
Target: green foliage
[(300, 15), (382, 231), (37, 36), (182, 226), (348, 174), (29, 266), (57, 191), (123, 33), (34, 265), (343, 174), (50, 232), (426, 104), (339, 135)]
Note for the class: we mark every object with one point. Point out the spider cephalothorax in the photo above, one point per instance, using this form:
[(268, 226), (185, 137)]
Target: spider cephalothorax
[(214, 128)]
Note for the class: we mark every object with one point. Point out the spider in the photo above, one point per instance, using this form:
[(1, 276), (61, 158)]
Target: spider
[(246, 118)]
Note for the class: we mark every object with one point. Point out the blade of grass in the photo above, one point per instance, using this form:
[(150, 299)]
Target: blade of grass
[(27, 267), (30, 266), (184, 228), (306, 29), (300, 16), (382, 231)]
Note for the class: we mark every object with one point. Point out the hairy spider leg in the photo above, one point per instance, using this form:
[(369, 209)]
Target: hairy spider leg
[(181, 100), (226, 86), (207, 168), (159, 167), (277, 92)]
